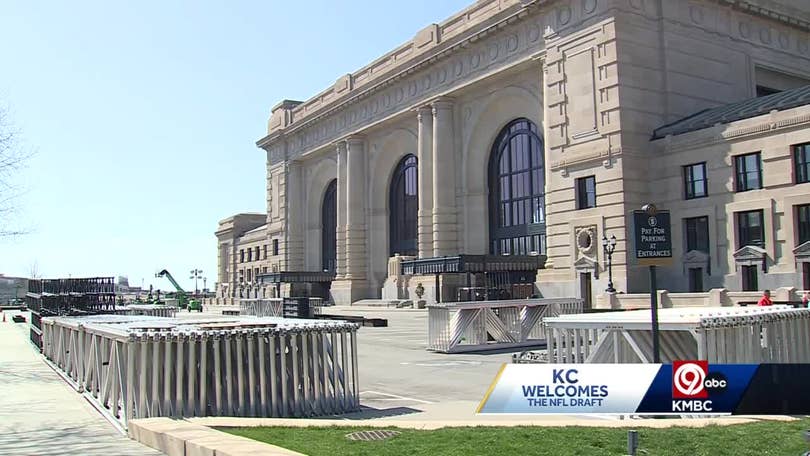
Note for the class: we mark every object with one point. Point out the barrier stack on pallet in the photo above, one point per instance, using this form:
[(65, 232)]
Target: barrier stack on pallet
[(141, 366), (73, 296), (481, 325), (776, 334)]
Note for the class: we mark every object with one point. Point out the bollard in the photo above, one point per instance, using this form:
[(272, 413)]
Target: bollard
[(632, 443)]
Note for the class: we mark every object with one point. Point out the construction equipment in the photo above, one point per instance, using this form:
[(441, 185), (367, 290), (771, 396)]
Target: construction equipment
[(184, 301)]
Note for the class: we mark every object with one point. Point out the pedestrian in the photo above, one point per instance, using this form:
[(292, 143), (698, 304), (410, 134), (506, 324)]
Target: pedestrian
[(806, 299), (765, 300)]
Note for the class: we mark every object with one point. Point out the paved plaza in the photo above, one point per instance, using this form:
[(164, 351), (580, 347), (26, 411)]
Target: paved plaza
[(40, 414)]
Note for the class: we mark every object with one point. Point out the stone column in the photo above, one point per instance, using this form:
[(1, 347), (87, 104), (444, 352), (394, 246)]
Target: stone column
[(445, 241), (340, 247), (294, 207), (356, 205), (424, 153)]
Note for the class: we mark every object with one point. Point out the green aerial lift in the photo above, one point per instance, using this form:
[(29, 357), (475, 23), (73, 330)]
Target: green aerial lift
[(182, 297)]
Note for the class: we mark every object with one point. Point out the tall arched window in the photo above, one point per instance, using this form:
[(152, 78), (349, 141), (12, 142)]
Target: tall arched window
[(517, 215), (329, 227), (404, 205)]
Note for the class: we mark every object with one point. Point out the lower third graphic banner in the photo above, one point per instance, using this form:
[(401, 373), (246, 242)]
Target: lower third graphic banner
[(681, 388)]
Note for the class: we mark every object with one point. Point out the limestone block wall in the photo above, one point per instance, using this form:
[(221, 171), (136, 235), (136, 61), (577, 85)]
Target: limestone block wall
[(676, 58), (771, 135)]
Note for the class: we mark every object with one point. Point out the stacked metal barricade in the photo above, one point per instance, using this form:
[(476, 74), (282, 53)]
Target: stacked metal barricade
[(140, 366), (776, 334), (151, 310), (72, 296), (274, 307), (485, 325)]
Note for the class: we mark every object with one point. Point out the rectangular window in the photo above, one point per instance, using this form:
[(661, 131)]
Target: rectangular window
[(250, 255), (258, 257), (264, 270), (748, 170), (241, 256), (586, 192), (694, 180), (801, 163), (803, 223), (275, 246), (249, 272), (265, 251), (697, 234), (750, 229)]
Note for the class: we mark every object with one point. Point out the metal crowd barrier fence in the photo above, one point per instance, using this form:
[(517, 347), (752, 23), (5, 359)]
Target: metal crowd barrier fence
[(146, 309), (273, 307), (140, 366), (487, 325), (776, 334)]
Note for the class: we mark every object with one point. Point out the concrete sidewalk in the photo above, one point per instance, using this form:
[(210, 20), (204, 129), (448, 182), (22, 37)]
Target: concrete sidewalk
[(40, 414)]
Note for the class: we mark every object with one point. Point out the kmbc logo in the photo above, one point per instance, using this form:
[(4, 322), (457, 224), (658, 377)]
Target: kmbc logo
[(692, 380)]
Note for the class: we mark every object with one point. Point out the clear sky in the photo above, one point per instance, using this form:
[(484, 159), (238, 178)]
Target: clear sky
[(144, 115)]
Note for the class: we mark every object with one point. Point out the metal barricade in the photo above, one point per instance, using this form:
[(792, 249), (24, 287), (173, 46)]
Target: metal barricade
[(151, 310), (274, 307), (488, 325), (777, 334), (140, 366)]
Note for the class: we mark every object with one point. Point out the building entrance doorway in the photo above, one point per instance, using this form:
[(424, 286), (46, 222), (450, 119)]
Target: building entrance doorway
[(695, 280), (749, 278), (585, 289)]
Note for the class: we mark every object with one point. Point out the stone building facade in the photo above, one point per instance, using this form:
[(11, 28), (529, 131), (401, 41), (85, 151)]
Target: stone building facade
[(524, 127)]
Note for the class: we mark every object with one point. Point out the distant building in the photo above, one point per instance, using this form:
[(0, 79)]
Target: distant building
[(245, 252), (12, 288)]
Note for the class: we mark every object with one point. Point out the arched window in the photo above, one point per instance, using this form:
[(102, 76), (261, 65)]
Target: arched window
[(517, 224), (404, 205), (329, 227)]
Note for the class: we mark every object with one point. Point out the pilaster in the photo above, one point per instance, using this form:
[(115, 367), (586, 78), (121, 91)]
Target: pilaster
[(356, 208), (294, 250), (340, 269), (424, 116), (445, 237)]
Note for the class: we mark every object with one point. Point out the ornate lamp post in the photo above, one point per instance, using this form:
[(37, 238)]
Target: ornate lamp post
[(196, 274), (609, 246)]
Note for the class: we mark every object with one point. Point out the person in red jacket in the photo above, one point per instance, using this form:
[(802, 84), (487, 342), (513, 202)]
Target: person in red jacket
[(765, 300)]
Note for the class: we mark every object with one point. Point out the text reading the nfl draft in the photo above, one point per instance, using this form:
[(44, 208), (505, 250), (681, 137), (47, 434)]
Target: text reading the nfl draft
[(565, 391)]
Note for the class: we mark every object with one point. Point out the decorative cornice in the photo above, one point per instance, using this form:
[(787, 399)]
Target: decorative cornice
[(441, 53), (715, 135)]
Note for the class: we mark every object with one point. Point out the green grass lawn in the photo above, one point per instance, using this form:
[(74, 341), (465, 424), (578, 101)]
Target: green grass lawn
[(755, 439)]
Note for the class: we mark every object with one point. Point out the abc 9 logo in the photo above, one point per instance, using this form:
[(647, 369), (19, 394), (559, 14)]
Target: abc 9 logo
[(691, 380)]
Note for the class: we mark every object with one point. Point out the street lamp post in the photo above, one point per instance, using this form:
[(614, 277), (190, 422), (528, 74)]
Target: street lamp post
[(205, 287), (609, 246), (196, 274)]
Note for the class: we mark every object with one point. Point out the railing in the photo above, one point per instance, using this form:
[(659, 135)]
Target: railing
[(777, 334), (140, 366), (488, 325)]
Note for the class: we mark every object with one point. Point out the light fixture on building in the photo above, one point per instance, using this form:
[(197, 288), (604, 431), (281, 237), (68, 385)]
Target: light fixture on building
[(609, 246)]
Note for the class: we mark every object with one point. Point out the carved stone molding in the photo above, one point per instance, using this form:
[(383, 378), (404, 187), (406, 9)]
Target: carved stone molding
[(499, 47)]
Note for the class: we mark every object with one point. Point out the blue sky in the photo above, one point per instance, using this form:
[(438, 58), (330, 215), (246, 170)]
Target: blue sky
[(143, 118)]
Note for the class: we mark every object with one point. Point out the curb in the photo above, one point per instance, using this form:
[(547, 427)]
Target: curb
[(181, 438), (439, 424)]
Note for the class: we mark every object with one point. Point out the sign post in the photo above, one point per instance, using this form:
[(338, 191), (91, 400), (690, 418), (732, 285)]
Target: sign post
[(653, 246)]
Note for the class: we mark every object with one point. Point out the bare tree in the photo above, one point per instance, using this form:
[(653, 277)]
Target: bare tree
[(33, 270), (12, 159)]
